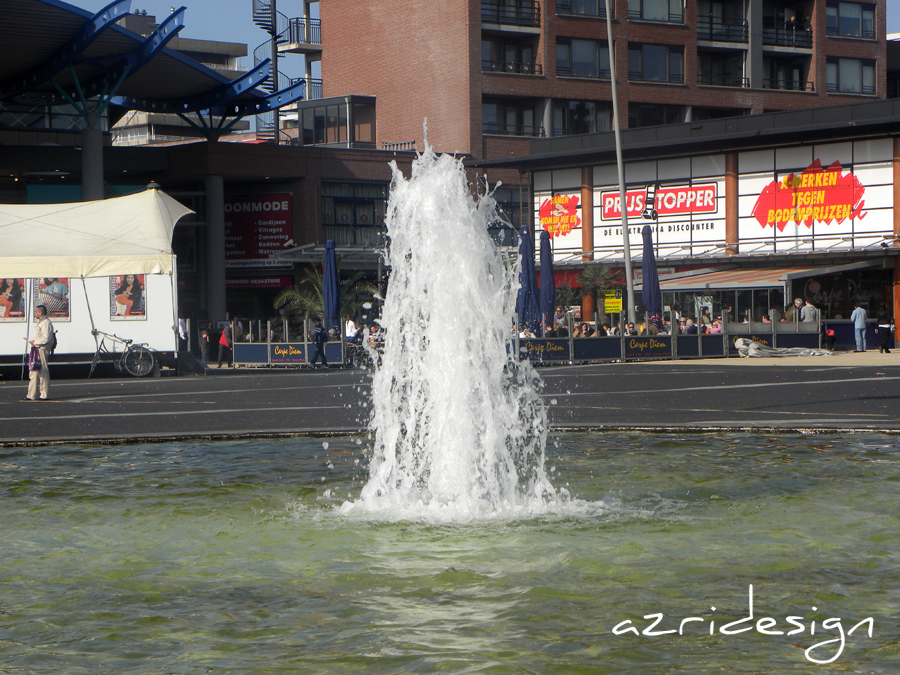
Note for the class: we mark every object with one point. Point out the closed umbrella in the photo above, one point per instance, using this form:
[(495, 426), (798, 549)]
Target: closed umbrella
[(331, 289), (651, 295), (527, 301), (548, 283)]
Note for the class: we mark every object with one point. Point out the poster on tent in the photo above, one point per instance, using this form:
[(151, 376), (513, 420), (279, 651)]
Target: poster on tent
[(53, 293), (127, 297), (12, 305)]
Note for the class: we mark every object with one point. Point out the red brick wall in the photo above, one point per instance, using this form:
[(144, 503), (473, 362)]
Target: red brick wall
[(416, 57)]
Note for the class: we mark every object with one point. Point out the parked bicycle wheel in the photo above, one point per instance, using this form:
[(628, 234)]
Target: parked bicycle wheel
[(138, 361)]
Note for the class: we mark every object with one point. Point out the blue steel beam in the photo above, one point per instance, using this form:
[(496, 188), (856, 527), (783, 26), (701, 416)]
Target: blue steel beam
[(215, 98), (70, 52), (268, 103), (123, 66)]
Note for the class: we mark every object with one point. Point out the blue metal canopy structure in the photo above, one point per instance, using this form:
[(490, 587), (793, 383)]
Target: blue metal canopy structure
[(66, 55)]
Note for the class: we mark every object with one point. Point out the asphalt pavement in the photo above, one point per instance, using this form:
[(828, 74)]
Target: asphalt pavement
[(842, 392)]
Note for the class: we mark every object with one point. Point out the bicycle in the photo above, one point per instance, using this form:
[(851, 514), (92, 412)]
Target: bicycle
[(135, 359)]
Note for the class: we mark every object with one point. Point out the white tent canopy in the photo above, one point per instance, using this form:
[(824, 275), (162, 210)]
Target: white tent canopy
[(90, 239)]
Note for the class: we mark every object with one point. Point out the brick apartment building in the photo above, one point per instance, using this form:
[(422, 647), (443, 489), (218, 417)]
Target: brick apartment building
[(490, 74)]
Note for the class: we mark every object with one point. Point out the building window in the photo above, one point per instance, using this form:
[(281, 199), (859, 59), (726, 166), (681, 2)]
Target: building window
[(652, 114), (850, 76), (595, 8), (656, 63), (850, 19), (581, 117), (509, 118), (668, 11), (721, 70), (354, 213), (508, 56), (582, 58)]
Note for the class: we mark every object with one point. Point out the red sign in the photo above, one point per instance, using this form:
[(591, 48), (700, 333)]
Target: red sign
[(559, 214), (255, 227), (259, 282), (817, 194), (667, 201)]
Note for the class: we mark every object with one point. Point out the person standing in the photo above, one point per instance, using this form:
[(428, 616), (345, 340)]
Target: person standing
[(885, 328), (809, 313), (858, 318), (39, 378), (320, 337), (204, 349), (225, 346)]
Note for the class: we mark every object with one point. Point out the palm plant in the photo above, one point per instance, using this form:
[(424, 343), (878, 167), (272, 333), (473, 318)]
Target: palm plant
[(305, 300), (594, 280)]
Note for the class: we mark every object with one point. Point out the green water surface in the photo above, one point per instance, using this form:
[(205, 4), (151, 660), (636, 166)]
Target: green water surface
[(232, 558)]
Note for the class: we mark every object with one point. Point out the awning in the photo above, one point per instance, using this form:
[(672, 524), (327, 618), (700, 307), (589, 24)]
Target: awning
[(738, 279)]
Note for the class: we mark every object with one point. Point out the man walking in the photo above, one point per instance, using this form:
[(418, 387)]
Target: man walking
[(320, 337), (859, 327), (39, 378)]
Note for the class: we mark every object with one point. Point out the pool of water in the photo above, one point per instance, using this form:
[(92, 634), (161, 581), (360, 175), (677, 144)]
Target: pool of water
[(235, 558)]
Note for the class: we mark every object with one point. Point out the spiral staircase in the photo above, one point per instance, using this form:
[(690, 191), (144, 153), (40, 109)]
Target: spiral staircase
[(300, 35)]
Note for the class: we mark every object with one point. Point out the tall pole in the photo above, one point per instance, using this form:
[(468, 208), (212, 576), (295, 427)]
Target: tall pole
[(629, 280)]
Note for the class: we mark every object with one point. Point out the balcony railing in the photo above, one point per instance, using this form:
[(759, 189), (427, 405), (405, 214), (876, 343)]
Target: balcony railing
[(865, 89), (517, 13), (721, 30), (637, 15), (313, 89), (788, 37), (304, 31), (509, 67), (788, 85), (498, 129), (566, 71), (595, 9), (722, 80), (637, 76)]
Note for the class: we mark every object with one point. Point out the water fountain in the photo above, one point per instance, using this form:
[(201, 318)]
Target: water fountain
[(459, 425)]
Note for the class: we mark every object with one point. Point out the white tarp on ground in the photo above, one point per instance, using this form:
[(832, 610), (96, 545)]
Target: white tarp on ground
[(749, 348), (90, 239)]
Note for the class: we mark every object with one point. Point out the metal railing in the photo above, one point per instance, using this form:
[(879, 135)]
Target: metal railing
[(398, 146), (722, 30), (788, 37), (499, 129), (722, 80), (638, 76), (512, 13), (788, 85), (637, 15), (865, 89), (304, 31), (510, 67), (566, 71)]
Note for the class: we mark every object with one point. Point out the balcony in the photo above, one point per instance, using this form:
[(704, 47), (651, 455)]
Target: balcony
[(707, 80), (523, 13), (788, 85), (303, 36), (722, 30), (499, 129), (786, 37), (513, 68)]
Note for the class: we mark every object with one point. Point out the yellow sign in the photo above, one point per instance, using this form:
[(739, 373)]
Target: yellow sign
[(612, 301)]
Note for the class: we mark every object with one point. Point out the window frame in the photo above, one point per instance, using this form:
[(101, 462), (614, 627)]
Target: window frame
[(834, 22), (638, 14), (599, 45), (641, 75), (833, 84)]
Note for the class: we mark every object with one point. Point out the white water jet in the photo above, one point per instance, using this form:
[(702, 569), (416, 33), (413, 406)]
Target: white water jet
[(459, 427)]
